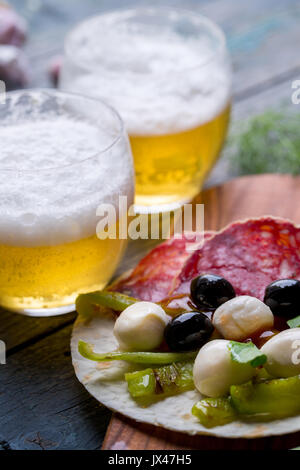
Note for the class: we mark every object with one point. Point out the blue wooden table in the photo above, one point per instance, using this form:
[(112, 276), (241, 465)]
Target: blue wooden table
[(42, 406)]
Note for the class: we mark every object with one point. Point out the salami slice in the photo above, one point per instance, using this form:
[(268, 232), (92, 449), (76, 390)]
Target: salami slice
[(154, 276), (249, 254)]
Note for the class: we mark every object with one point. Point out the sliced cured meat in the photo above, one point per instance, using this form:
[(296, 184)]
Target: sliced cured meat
[(154, 276), (249, 254)]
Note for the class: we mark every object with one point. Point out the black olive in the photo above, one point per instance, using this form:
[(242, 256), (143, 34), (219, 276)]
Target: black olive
[(188, 331), (209, 291), (283, 297)]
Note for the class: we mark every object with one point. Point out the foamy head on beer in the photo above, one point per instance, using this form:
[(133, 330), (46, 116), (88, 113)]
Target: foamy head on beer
[(56, 169), (162, 79)]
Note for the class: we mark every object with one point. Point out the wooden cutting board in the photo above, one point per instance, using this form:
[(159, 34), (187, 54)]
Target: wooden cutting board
[(251, 196)]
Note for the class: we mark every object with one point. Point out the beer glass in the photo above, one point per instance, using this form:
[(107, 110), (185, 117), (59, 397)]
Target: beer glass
[(62, 157), (167, 73)]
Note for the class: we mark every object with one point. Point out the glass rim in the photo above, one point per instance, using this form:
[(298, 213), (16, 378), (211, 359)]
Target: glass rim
[(52, 91), (125, 13)]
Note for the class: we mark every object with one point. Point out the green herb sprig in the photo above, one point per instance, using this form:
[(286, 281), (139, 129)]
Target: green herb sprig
[(267, 143)]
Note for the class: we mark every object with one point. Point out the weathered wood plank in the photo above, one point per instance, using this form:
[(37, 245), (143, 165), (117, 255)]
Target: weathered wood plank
[(262, 38), (124, 434), (42, 405), (18, 330)]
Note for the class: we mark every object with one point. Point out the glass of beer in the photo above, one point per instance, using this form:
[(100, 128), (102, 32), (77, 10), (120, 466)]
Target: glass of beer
[(62, 157), (167, 72)]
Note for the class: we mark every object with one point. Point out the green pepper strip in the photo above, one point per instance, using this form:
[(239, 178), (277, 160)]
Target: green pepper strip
[(162, 381), (269, 400), (214, 412), (86, 303), (264, 401), (86, 350)]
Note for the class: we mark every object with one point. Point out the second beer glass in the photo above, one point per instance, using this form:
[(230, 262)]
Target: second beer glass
[(167, 72)]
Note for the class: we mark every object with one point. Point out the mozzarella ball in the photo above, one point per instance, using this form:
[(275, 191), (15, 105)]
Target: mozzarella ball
[(241, 317), (283, 353), (140, 327), (214, 371)]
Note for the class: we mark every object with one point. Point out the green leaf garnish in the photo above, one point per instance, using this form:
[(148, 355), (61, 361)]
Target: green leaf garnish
[(246, 353), (294, 322)]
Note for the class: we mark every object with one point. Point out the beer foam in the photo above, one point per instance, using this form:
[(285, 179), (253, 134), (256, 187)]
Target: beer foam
[(54, 173), (160, 80)]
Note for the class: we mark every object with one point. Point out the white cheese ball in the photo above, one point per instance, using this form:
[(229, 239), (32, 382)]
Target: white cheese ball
[(283, 353), (214, 371), (241, 317), (140, 327)]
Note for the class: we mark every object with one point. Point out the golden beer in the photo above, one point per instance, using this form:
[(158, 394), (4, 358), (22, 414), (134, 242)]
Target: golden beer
[(167, 72), (171, 168), (63, 158), (43, 277)]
